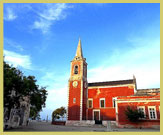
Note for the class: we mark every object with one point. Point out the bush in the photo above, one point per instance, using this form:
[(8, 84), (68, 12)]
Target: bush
[(133, 115)]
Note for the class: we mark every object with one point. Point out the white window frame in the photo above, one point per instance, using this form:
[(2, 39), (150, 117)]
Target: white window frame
[(100, 102), (74, 100), (91, 99), (143, 111), (154, 111), (114, 101)]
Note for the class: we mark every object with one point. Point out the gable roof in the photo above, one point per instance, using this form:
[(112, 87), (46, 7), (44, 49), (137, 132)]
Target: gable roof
[(112, 83)]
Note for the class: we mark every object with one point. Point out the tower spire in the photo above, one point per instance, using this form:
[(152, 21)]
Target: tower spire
[(79, 52)]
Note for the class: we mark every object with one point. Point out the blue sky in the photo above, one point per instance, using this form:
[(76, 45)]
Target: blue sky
[(118, 41)]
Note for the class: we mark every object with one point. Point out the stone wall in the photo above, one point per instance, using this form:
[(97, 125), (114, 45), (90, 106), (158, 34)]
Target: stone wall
[(80, 123)]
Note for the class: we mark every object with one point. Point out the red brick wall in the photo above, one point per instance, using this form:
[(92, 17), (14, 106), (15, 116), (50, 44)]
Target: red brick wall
[(107, 113)]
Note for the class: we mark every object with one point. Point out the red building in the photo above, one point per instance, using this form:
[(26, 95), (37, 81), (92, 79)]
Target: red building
[(103, 101), (102, 97)]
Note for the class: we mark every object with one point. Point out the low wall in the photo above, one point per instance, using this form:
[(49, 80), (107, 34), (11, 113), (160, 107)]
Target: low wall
[(80, 123), (105, 123)]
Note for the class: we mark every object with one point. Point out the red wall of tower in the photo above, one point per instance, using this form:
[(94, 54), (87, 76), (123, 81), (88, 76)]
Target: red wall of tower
[(107, 113), (74, 108)]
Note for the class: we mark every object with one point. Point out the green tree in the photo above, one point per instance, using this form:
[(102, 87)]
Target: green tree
[(15, 81), (133, 115), (58, 113)]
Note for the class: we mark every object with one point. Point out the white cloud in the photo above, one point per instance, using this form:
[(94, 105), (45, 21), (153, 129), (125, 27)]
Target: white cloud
[(53, 80), (143, 61), (8, 42), (9, 15), (56, 98), (17, 59), (43, 25), (49, 15), (57, 91), (54, 11)]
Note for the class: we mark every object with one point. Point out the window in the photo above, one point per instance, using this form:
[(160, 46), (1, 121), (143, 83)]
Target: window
[(142, 109), (74, 100), (90, 103), (102, 102), (152, 112), (76, 69), (114, 99)]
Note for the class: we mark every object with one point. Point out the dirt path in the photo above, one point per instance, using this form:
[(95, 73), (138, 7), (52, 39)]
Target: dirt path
[(46, 126)]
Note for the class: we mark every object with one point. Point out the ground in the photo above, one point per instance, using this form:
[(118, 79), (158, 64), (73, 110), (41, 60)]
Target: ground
[(46, 126)]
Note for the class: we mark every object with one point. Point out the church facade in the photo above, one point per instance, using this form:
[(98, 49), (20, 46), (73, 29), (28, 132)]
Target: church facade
[(96, 101)]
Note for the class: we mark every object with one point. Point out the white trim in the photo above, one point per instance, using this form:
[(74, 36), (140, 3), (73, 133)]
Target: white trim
[(138, 101), (98, 110), (81, 100), (104, 102), (116, 110), (114, 101), (154, 107), (110, 86), (68, 98)]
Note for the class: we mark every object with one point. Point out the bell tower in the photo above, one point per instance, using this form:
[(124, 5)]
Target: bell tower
[(77, 87)]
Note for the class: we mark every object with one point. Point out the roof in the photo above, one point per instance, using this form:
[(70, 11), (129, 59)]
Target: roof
[(111, 83), (153, 91)]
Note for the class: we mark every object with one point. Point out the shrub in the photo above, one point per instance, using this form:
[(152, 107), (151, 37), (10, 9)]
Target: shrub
[(133, 115)]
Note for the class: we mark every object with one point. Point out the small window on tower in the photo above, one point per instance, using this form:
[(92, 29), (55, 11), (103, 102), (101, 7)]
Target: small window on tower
[(76, 69), (74, 100)]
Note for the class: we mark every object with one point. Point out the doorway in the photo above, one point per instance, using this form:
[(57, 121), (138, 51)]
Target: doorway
[(96, 116)]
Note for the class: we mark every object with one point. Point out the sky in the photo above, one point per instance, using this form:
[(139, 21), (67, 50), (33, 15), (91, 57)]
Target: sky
[(119, 40)]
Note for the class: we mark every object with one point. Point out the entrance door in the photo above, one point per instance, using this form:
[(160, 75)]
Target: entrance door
[(96, 115)]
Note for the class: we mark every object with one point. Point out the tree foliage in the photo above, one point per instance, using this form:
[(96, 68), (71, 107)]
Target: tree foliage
[(58, 113), (133, 115), (14, 80)]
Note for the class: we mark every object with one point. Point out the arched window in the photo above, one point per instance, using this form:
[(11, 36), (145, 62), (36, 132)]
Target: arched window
[(76, 69)]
